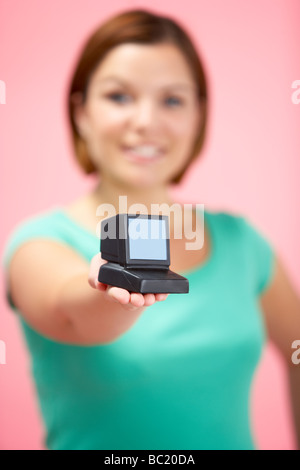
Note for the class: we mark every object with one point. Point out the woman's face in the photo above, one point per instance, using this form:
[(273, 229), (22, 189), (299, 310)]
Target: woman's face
[(141, 115)]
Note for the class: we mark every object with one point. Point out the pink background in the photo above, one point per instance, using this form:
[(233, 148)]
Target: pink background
[(250, 165)]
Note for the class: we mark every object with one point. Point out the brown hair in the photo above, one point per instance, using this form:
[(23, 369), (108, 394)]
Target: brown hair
[(140, 27)]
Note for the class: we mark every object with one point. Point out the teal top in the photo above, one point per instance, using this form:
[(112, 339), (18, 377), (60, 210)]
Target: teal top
[(181, 377)]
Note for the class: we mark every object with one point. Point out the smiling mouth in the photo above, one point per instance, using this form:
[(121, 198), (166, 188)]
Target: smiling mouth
[(143, 156)]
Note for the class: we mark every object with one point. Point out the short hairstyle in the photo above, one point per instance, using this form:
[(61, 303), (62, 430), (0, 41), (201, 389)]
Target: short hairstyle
[(141, 27)]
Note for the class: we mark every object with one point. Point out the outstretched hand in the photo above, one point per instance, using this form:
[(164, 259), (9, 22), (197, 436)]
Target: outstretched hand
[(130, 300)]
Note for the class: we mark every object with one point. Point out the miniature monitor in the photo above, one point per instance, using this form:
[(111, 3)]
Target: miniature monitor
[(137, 248)]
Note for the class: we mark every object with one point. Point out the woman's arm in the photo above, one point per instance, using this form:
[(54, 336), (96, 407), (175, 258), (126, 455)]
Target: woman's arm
[(281, 307), (58, 294)]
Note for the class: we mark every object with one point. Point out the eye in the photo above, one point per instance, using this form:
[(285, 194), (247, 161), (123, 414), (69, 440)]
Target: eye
[(117, 97), (174, 99)]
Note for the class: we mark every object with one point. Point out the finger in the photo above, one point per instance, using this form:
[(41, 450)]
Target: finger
[(93, 282), (160, 297), (137, 299), (118, 294), (100, 286), (149, 299)]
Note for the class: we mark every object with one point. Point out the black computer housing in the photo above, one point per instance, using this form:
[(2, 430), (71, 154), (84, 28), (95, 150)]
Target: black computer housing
[(135, 275)]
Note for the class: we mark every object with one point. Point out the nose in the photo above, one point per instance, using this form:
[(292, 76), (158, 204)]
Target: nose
[(145, 114)]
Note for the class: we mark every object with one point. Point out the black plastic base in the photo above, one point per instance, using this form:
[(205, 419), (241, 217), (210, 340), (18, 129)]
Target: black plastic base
[(154, 281)]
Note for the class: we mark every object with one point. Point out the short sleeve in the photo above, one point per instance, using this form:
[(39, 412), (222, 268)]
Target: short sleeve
[(31, 228), (260, 255)]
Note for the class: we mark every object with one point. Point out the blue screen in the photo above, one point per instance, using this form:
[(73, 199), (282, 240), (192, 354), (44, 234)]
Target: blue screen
[(147, 239)]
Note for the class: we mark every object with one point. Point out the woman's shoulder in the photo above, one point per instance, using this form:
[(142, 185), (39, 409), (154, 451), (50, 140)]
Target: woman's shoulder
[(47, 224), (243, 233), (225, 221), (230, 222), (43, 220)]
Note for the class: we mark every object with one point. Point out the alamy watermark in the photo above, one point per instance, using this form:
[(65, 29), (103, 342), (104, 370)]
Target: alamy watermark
[(2, 92), (296, 94), (2, 352), (181, 222), (296, 354)]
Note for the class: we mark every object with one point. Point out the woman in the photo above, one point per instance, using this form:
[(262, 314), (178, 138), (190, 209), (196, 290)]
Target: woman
[(121, 370)]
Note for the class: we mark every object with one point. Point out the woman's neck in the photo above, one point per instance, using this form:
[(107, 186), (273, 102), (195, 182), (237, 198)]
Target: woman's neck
[(125, 200), (122, 198)]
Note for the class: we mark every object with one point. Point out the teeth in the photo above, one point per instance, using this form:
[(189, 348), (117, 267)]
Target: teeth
[(145, 151)]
